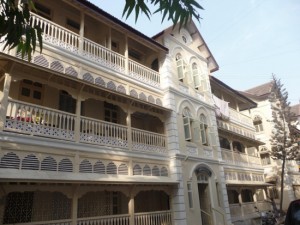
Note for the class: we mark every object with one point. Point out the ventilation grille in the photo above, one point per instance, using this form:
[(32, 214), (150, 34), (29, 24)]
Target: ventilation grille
[(49, 164), (41, 61), (146, 171), (137, 170), (71, 71), (85, 167), (111, 168), (155, 171), (30, 162), (99, 168), (57, 66), (10, 160), (111, 85), (88, 77), (123, 169), (121, 89), (65, 165), (100, 82)]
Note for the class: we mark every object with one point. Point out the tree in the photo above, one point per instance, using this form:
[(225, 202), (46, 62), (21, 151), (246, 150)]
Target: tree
[(283, 140), (16, 29)]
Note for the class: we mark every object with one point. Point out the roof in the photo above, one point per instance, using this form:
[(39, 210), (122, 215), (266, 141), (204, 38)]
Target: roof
[(259, 92), (249, 102), (296, 109), (119, 22)]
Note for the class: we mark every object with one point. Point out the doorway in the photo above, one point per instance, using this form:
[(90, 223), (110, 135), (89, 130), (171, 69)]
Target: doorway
[(204, 199)]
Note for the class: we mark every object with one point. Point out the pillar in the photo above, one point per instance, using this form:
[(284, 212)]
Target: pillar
[(131, 209), (81, 32), (129, 130), (126, 55), (74, 205), (4, 100), (77, 119)]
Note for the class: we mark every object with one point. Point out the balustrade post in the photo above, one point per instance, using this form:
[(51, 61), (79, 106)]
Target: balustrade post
[(81, 33), (129, 130), (77, 120), (4, 100), (126, 55)]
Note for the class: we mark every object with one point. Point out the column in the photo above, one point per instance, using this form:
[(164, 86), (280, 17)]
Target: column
[(77, 119), (4, 100), (129, 130), (75, 205), (81, 32), (126, 54), (109, 39), (131, 209), (246, 152), (232, 152)]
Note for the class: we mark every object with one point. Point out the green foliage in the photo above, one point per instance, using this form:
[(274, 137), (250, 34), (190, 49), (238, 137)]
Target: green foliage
[(16, 29), (283, 140), (176, 10)]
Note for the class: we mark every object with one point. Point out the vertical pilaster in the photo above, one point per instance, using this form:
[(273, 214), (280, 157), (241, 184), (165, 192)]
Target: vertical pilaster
[(131, 209), (4, 100), (81, 32), (129, 130), (77, 119), (75, 205), (126, 54)]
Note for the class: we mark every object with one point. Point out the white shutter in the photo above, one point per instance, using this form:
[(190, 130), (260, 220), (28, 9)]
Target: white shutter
[(203, 133), (196, 77), (187, 128), (196, 131), (180, 68), (212, 136)]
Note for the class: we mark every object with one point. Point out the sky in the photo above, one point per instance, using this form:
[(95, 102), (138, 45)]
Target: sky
[(250, 39)]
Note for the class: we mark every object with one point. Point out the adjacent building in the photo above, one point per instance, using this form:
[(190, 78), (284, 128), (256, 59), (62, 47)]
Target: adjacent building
[(109, 126)]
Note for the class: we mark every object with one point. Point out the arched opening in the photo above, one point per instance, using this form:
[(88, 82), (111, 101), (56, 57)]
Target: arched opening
[(149, 201), (154, 65), (224, 143), (247, 195), (238, 147), (102, 203), (66, 102), (147, 122), (233, 196)]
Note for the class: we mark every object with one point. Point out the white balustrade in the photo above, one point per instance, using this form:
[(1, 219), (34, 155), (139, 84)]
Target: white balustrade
[(28, 118), (56, 222), (102, 132), (240, 118), (56, 35), (105, 220), (239, 158), (143, 73), (148, 141), (153, 218), (104, 56), (235, 210)]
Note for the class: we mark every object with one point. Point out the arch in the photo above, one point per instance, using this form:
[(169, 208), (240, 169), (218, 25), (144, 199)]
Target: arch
[(121, 89), (158, 101), (49, 164), (111, 85), (133, 93), (88, 77), (111, 168), (123, 169), (10, 161), (164, 172), (202, 167), (57, 66), (100, 82), (41, 61), (185, 36), (146, 170), (99, 167), (137, 170), (186, 103), (142, 96), (71, 71), (151, 99), (65, 165), (155, 171), (30, 162), (176, 50), (85, 166)]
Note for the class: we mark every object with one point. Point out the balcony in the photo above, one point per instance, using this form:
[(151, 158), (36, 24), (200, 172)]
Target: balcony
[(240, 159), (36, 120), (84, 50), (236, 129), (240, 118)]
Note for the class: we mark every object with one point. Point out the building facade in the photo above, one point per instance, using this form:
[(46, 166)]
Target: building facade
[(108, 126)]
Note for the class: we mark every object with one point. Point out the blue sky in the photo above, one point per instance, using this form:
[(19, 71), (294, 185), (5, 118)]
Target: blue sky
[(250, 39)]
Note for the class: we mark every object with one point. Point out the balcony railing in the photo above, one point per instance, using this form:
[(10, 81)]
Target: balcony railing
[(149, 218), (238, 158), (36, 120), (240, 118), (248, 210), (236, 129), (63, 38)]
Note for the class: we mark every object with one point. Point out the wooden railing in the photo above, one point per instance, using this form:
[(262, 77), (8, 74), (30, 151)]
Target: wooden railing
[(72, 42), (115, 220), (32, 119), (153, 218), (238, 158)]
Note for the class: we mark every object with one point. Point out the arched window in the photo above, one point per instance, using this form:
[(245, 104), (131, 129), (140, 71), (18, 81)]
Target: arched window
[(196, 75), (187, 119), (257, 122), (180, 66), (203, 129)]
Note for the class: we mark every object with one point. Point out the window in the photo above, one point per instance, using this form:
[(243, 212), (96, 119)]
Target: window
[(110, 113), (31, 91), (196, 77), (265, 159), (187, 124), (180, 66), (257, 122), (73, 25), (247, 195), (66, 102), (190, 195), (43, 11), (203, 129)]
